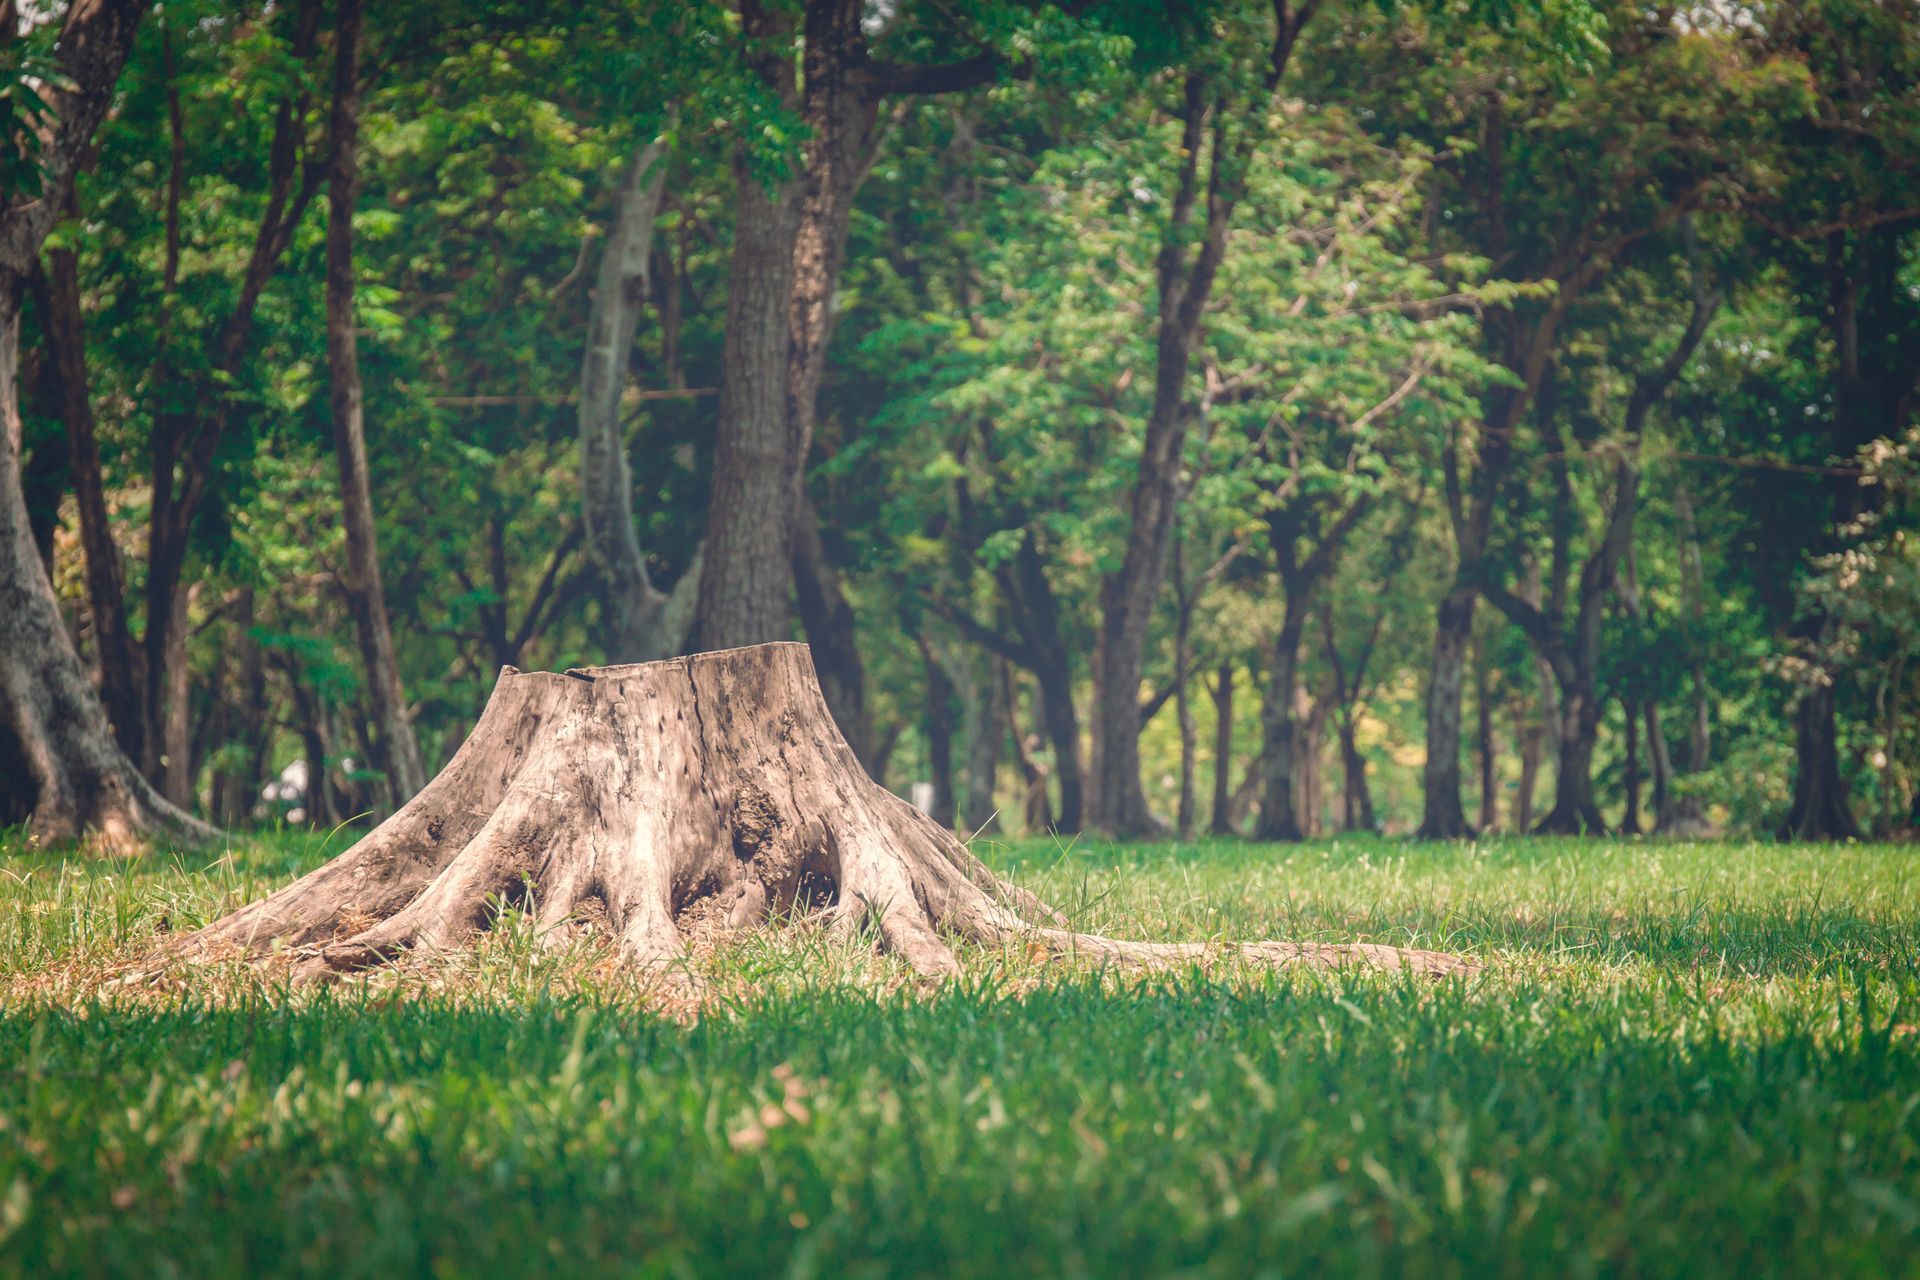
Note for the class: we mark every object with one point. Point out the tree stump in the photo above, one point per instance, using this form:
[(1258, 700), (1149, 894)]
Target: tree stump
[(634, 797)]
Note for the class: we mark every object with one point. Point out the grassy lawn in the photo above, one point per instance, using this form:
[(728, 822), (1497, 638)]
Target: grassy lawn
[(1681, 1060)]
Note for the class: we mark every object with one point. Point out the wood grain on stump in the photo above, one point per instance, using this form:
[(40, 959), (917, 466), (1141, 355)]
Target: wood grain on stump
[(627, 797)]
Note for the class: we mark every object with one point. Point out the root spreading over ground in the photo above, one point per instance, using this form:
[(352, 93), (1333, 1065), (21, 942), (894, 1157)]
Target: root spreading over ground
[(652, 801)]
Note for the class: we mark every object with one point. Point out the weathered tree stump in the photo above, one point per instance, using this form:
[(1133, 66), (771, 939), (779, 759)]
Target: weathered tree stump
[(631, 798)]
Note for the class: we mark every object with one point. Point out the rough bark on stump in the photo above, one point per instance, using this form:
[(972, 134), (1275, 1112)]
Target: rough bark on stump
[(634, 797)]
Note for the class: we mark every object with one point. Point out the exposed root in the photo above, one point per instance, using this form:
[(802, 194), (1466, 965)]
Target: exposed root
[(664, 804)]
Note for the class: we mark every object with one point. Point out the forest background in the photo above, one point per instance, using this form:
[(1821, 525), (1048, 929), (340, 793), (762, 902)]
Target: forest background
[(1226, 416)]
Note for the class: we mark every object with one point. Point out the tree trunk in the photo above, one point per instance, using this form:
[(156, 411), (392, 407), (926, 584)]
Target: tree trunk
[(632, 608), (114, 650), (1630, 781), (747, 573), (1820, 803), (183, 448), (1356, 796), (69, 777), (1529, 732), (1660, 767), (1037, 811), (1309, 788), (828, 618), (66, 773), (310, 714), (1279, 805), (238, 782), (1889, 746), (1443, 817), (1693, 598), (176, 724), (653, 803), (366, 599), (1184, 819), (939, 725), (1221, 823), (986, 730), (1055, 680), (1574, 811), (1483, 739)]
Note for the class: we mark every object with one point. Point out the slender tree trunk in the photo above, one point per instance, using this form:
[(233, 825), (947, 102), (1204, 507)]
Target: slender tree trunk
[(1529, 732), (1660, 763), (1184, 819), (1055, 679), (632, 609), (1310, 785), (1630, 781), (986, 730), (366, 598), (176, 734), (1221, 823), (939, 735), (829, 620), (238, 783), (184, 446), (1889, 746), (1037, 812), (311, 713), (1357, 797), (1693, 594), (1483, 739)]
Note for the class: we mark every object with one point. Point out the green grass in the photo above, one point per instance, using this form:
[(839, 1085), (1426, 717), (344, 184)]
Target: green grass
[(1681, 1060)]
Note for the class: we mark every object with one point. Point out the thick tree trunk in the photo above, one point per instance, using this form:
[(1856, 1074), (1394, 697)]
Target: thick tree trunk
[(1220, 823), (66, 774), (632, 610), (1575, 811), (1279, 804), (747, 575), (115, 653), (69, 777), (366, 598), (1821, 808), (654, 803)]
